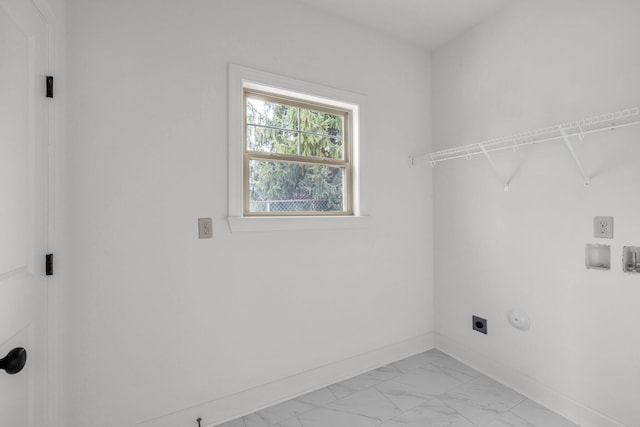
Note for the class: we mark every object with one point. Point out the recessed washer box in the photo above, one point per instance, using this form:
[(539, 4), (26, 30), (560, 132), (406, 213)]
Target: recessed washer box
[(597, 256), (631, 259)]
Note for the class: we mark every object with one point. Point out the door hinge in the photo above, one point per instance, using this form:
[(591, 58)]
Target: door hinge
[(49, 265), (49, 86)]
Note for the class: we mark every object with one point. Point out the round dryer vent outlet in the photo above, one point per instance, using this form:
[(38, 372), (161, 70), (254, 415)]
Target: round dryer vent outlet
[(519, 320)]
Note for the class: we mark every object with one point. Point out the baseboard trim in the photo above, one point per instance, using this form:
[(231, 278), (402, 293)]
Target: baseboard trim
[(246, 402), (522, 383)]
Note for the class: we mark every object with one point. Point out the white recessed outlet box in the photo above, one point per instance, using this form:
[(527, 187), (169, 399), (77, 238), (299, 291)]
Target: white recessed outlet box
[(598, 257), (603, 227), (631, 259)]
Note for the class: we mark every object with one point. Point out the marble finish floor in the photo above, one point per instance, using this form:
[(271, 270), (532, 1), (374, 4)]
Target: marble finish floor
[(429, 389)]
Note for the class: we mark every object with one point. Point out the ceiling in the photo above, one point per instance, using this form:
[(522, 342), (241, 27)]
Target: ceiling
[(426, 23)]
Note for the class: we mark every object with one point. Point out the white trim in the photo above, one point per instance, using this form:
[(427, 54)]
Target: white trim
[(242, 77), (52, 16), (280, 223), (246, 402), (525, 385)]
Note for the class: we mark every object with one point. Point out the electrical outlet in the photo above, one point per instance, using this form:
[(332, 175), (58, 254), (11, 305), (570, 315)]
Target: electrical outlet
[(479, 324), (205, 228), (603, 227)]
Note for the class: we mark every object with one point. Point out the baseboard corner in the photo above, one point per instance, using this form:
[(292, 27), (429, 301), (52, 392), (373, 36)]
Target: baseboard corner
[(525, 385)]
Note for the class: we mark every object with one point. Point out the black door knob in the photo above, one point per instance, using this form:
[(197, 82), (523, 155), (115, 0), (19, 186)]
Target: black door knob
[(14, 361)]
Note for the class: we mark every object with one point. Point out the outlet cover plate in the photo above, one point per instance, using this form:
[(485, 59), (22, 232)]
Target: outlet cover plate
[(205, 228), (603, 227)]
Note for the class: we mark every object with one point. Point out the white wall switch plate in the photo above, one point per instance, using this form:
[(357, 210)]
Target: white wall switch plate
[(205, 228), (603, 227)]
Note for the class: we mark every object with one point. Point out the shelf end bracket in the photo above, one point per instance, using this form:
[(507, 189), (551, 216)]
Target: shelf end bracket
[(585, 177), (493, 166)]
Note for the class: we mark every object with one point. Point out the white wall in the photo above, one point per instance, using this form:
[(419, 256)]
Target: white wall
[(537, 64), (157, 320)]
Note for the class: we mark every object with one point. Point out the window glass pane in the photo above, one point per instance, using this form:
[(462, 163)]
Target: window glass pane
[(293, 187), (319, 146), (271, 140), (321, 123), (267, 113)]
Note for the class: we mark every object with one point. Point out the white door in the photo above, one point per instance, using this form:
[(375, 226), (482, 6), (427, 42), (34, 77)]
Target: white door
[(24, 138)]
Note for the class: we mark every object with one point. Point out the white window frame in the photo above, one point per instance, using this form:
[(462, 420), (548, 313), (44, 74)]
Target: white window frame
[(343, 163), (241, 78)]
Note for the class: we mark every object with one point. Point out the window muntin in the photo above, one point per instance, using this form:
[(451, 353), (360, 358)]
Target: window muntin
[(296, 157)]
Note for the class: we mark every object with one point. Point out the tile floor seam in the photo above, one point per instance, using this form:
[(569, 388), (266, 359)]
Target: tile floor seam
[(311, 407), (331, 391), (351, 413), (387, 397), (297, 418), (262, 417), (517, 404), (457, 412), (455, 386), (427, 402), (519, 417)]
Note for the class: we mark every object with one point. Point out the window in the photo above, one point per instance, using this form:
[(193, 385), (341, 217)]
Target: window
[(294, 154), (296, 157)]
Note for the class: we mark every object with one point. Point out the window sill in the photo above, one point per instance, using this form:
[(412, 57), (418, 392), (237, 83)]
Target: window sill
[(284, 223)]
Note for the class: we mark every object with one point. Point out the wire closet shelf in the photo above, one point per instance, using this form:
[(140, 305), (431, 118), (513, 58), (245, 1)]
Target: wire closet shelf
[(579, 128)]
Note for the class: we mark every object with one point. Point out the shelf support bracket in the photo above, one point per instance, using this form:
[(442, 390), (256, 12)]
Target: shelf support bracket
[(586, 179), (493, 166)]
